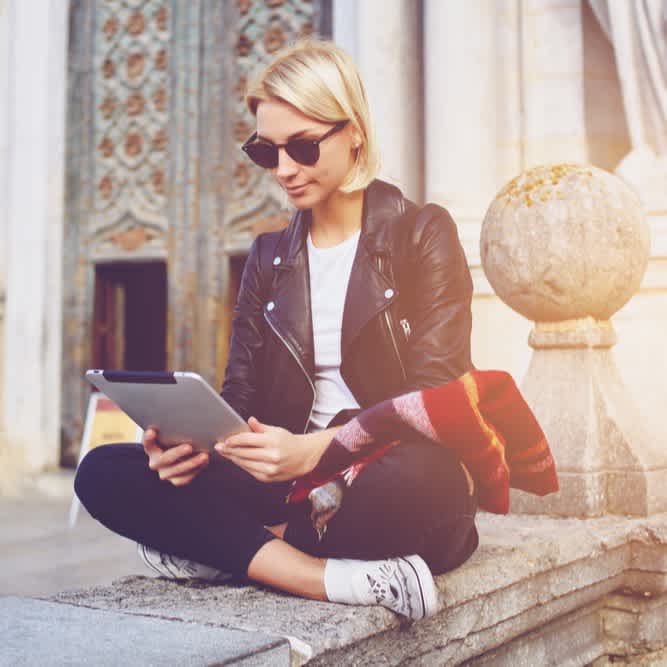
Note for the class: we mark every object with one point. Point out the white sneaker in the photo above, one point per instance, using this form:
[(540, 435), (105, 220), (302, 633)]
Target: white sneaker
[(404, 585), (174, 567)]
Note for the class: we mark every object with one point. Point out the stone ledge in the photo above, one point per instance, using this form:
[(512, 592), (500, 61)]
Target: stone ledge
[(537, 586)]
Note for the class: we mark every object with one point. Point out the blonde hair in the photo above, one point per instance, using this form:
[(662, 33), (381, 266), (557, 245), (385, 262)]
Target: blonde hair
[(322, 81)]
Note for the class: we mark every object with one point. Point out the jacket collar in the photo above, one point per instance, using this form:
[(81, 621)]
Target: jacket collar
[(368, 286), (383, 203)]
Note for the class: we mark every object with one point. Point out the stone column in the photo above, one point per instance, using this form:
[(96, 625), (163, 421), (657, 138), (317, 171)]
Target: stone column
[(384, 37), (4, 173), (346, 26), (34, 210), (566, 246), (460, 106), (552, 82)]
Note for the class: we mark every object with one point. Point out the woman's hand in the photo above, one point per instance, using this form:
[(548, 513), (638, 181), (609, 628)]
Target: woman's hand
[(273, 454), (178, 465)]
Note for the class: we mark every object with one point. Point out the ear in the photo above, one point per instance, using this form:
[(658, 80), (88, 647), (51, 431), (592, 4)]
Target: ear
[(357, 139)]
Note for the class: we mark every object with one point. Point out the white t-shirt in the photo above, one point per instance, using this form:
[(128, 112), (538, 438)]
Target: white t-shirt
[(330, 270)]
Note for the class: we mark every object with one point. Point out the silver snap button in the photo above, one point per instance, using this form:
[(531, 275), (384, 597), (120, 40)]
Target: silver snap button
[(270, 306), (388, 293), (276, 261)]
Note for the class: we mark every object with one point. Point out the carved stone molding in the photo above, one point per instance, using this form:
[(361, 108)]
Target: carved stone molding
[(131, 92), (261, 28)]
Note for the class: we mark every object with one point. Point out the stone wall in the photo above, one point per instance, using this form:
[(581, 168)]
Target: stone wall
[(584, 79)]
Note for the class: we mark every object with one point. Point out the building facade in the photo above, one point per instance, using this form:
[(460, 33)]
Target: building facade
[(126, 199)]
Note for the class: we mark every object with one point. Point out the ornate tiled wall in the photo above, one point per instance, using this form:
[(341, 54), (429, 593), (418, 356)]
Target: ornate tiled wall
[(130, 125), (262, 28), (154, 170)]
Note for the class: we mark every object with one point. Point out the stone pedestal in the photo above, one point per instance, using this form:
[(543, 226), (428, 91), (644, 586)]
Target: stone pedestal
[(566, 246), (607, 462)]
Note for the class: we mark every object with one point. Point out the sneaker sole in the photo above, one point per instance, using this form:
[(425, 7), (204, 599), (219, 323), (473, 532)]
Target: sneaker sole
[(145, 556), (428, 594)]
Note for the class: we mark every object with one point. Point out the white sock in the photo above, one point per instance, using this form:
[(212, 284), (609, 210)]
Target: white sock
[(346, 581), (403, 584)]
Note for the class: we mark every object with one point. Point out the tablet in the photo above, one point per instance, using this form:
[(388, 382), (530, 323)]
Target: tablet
[(181, 405)]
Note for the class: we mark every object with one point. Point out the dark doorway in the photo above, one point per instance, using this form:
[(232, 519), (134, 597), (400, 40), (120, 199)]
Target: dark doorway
[(130, 316)]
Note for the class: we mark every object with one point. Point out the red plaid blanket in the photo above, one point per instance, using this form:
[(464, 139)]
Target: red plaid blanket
[(481, 417)]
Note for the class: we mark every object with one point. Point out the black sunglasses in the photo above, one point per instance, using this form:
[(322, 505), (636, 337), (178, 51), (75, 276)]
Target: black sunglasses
[(303, 151)]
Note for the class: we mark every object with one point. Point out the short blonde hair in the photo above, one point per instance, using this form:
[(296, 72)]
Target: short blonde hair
[(322, 81)]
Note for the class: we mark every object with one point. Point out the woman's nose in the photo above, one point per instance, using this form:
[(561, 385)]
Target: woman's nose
[(286, 165)]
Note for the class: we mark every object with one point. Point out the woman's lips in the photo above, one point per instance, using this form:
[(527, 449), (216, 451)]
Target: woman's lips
[(296, 190)]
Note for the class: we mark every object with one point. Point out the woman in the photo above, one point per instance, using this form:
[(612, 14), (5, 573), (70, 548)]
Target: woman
[(361, 298)]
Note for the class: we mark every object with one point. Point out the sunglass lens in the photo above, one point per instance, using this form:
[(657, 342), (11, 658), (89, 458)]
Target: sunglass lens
[(264, 155), (303, 152)]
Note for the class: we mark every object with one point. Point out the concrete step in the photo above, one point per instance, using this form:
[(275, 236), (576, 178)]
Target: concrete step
[(37, 632)]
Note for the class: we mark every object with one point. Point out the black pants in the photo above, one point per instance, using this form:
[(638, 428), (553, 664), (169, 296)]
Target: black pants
[(413, 500)]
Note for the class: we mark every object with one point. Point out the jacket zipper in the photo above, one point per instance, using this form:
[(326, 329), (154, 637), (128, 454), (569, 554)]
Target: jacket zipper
[(387, 318), (298, 361)]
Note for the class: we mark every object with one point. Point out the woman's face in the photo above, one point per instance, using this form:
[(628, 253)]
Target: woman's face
[(306, 186)]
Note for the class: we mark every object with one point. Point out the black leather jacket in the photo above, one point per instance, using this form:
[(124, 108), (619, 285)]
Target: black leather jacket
[(406, 323)]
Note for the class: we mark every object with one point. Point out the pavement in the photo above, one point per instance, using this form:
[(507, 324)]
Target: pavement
[(40, 555)]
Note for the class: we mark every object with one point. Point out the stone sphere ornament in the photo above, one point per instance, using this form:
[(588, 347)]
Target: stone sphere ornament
[(565, 241)]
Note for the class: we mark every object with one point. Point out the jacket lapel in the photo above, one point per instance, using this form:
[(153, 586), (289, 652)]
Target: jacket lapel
[(290, 314), (370, 290), (368, 293)]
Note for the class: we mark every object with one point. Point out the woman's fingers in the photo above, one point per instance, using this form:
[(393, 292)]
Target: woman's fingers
[(150, 443), (162, 458), (262, 470), (249, 453), (178, 465), (187, 467), (182, 480), (176, 453), (256, 426), (269, 453), (247, 439)]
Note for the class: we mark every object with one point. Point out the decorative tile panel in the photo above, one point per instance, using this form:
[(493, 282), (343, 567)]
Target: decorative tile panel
[(262, 27), (131, 93)]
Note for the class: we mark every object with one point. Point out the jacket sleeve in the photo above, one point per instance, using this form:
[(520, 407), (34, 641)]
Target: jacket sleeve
[(245, 349), (441, 294)]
